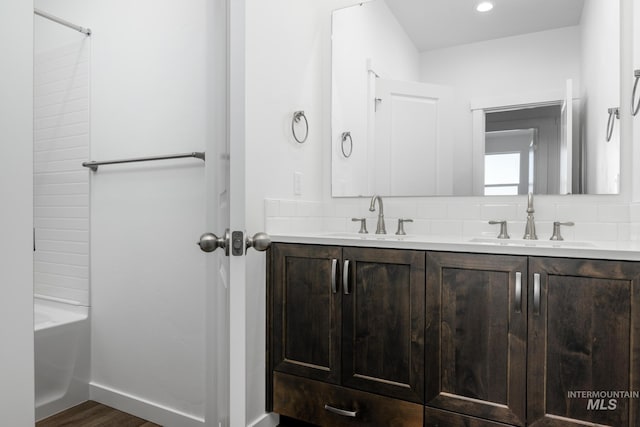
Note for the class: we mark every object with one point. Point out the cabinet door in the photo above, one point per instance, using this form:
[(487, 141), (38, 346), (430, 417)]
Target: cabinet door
[(584, 336), (476, 331), (383, 322), (306, 314)]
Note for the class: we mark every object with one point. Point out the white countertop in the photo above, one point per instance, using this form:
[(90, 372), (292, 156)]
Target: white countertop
[(595, 250)]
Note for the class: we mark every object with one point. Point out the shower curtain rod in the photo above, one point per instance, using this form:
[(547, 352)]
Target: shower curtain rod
[(61, 21)]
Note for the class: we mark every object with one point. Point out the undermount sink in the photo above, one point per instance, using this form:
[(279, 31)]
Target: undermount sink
[(368, 236), (536, 243)]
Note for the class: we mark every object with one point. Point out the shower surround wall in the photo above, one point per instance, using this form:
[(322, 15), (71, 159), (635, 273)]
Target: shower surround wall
[(61, 184)]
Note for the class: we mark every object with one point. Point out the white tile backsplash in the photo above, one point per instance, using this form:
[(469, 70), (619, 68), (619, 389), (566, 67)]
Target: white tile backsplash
[(309, 209), (418, 226), (288, 208), (634, 231), (350, 209), (445, 228), (613, 213), (462, 211), (332, 223), (577, 212), (624, 232), (598, 231), (428, 210), (600, 221), (498, 212), (480, 229)]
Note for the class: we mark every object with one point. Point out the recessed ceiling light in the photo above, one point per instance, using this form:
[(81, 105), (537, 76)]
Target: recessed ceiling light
[(484, 6)]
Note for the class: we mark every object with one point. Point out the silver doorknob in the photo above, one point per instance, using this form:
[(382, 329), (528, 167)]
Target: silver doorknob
[(209, 242), (260, 242)]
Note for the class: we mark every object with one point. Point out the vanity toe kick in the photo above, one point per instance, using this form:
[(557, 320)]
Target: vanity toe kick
[(330, 405)]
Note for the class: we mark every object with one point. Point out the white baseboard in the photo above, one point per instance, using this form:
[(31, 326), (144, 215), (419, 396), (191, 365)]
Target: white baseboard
[(142, 408), (267, 420)]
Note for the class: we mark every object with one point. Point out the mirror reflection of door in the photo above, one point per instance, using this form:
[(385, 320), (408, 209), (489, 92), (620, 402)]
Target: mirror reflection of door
[(413, 132), (535, 134)]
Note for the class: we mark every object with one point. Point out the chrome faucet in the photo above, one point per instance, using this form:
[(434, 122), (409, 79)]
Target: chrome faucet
[(380, 228), (530, 227)]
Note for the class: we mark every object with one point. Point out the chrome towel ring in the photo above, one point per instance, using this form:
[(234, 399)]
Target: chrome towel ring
[(614, 113), (346, 137), (297, 116), (635, 105)]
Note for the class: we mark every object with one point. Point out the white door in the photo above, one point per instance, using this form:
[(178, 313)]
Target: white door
[(413, 132), (225, 189), (217, 214), (566, 140)]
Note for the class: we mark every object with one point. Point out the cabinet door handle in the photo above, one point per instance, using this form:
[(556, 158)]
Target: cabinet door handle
[(345, 277), (342, 412), (334, 280), (518, 292), (536, 294)]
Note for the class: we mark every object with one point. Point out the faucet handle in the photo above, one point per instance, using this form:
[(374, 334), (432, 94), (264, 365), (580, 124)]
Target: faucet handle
[(556, 229), (401, 221), (503, 229), (363, 225)]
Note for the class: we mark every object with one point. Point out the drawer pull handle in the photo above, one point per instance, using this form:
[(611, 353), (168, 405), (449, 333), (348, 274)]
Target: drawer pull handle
[(518, 292), (342, 412), (334, 271)]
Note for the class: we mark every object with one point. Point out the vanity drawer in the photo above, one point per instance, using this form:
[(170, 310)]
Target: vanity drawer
[(438, 418), (305, 400)]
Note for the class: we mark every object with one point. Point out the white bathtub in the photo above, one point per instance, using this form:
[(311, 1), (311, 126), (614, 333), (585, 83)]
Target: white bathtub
[(61, 356)]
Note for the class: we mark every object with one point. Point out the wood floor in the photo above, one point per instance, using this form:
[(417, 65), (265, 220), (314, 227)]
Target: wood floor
[(93, 414)]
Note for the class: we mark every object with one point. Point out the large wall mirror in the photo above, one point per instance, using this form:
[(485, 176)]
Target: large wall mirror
[(434, 98)]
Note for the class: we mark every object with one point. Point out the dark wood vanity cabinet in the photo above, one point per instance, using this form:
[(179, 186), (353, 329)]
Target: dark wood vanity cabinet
[(508, 338), (383, 322), (476, 335), (584, 335), (352, 317), (412, 338), (306, 313)]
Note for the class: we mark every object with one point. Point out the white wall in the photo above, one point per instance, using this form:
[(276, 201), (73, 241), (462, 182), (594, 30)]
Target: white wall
[(149, 86), (521, 65), (16, 215), (600, 90), (288, 52)]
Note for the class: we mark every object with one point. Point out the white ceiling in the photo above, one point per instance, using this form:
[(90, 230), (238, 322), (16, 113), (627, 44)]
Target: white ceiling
[(434, 24)]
